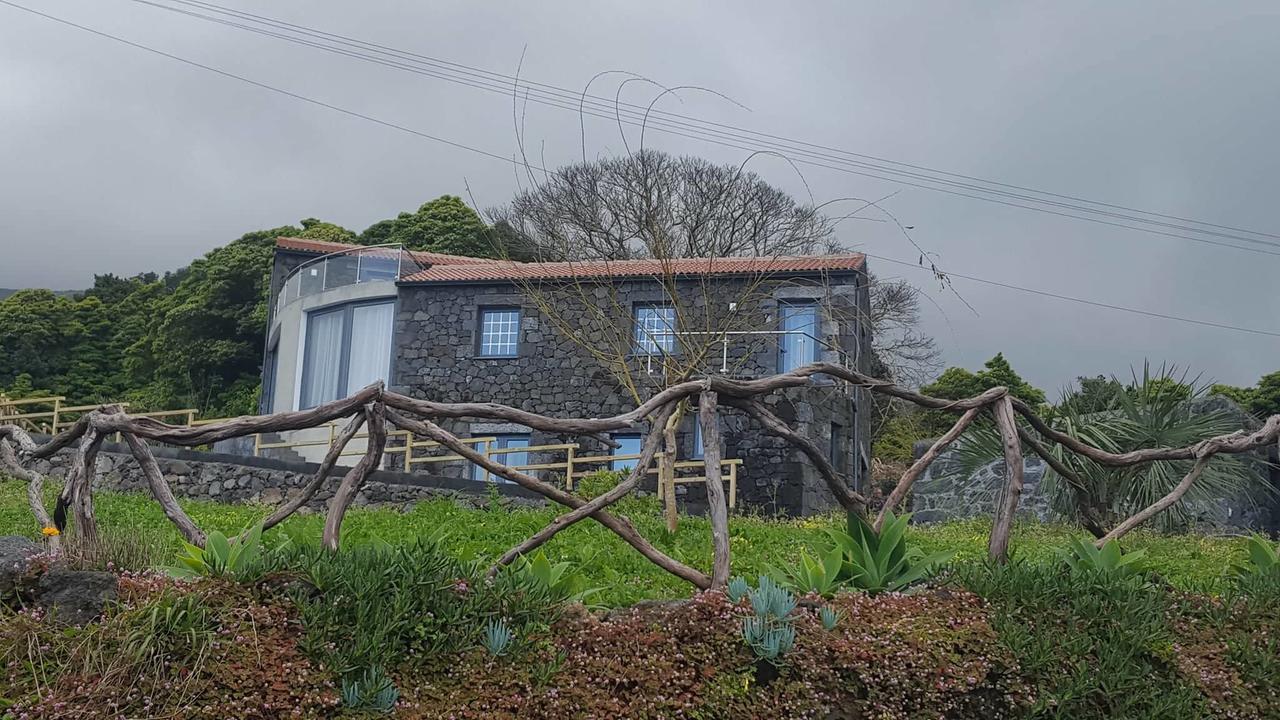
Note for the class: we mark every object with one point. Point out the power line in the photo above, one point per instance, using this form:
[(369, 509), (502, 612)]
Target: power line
[(628, 113), (1082, 301), (496, 156), (508, 79), (262, 85)]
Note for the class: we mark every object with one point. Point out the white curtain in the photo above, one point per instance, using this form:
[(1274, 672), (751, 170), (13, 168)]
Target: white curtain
[(371, 327), (323, 360)]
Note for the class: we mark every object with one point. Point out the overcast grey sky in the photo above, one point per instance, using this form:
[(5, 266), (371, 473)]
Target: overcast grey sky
[(117, 160)]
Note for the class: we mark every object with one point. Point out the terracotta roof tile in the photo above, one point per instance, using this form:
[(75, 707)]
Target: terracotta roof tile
[(459, 268), (508, 271), (425, 258)]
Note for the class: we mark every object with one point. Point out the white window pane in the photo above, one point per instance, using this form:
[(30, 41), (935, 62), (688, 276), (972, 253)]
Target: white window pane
[(499, 332), (514, 459), (370, 360), (799, 347), (655, 329), (322, 361)]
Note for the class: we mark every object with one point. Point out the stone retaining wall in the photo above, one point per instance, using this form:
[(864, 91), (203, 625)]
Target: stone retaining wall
[(946, 492), (236, 479)]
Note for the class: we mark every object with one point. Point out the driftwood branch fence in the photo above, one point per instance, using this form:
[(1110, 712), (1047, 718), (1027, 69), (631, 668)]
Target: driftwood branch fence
[(376, 409)]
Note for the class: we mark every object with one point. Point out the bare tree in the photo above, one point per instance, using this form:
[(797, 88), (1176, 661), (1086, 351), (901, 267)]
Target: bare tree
[(650, 204), (909, 356)]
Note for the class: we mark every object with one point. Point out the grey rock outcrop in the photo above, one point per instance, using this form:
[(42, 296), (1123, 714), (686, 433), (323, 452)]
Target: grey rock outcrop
[(15, 556)]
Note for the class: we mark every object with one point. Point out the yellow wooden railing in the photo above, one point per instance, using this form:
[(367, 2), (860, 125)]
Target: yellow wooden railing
[(35, 420), (572, 468), (399, 442), (60, 417)]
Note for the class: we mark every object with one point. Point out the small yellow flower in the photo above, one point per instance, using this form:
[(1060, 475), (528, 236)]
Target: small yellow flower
[(50, 531)]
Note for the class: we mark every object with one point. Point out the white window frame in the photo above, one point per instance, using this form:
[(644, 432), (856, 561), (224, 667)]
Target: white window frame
[(513, 331)]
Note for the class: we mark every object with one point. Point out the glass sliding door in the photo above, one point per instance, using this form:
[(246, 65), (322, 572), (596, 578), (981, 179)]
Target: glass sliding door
[(322, 360), (345, 349), (370, 345)]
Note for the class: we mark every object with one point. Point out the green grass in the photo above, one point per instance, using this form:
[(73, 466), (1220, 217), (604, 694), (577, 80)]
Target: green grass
[(1190, 562)]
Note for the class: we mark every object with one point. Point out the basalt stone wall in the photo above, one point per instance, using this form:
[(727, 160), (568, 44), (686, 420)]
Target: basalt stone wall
[(436, 356), (229, 478), (946, 492)]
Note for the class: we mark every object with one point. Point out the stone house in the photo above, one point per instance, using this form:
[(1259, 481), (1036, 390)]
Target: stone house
[(586, 339)]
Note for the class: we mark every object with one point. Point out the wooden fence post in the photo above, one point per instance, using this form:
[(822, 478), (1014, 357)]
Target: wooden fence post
[(717, 510), (1007, 505)]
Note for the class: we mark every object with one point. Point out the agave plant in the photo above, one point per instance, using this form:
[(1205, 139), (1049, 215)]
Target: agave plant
[(1262, 558), (737, 589), (771, 642), (220, 557), (497, 637), (554, 577), (829, 616), (1084, 556), (1162, 408), (822, 576), (771, 601), (369, 690), (878, 562)]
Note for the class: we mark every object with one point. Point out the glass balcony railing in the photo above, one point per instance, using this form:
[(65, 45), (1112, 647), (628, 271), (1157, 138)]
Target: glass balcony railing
[(376, 263)]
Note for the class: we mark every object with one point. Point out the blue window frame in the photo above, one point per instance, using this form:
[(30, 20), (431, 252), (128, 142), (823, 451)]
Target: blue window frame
[(627, 445), (655, 330), (799, 324), (510, 459), (499, 332)]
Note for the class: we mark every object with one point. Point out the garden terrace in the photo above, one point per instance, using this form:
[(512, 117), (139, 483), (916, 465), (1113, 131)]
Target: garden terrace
[(378, 410)]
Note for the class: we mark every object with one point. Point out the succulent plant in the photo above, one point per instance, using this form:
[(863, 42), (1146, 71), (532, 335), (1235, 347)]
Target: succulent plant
[(497, 637)]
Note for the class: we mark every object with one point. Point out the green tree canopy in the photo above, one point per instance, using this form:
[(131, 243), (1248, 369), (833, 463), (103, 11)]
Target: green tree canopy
[(206, 337), (957, 383), (444, 225), (1092, 394), (1262, 400), (320, 230), (59, 344)]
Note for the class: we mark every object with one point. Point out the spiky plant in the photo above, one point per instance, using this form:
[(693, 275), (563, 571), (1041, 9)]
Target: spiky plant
[(829, 616), (497, 637), (1156, 409)]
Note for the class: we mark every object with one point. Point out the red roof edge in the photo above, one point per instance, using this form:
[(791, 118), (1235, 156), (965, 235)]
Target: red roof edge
[(325, 247)]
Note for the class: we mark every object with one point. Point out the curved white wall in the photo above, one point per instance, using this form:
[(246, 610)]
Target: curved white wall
[(288, 330)]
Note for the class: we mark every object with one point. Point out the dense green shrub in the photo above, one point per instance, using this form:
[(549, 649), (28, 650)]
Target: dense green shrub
[(1094, 645), (1191, 562), (1154, 410), (379, 607)]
